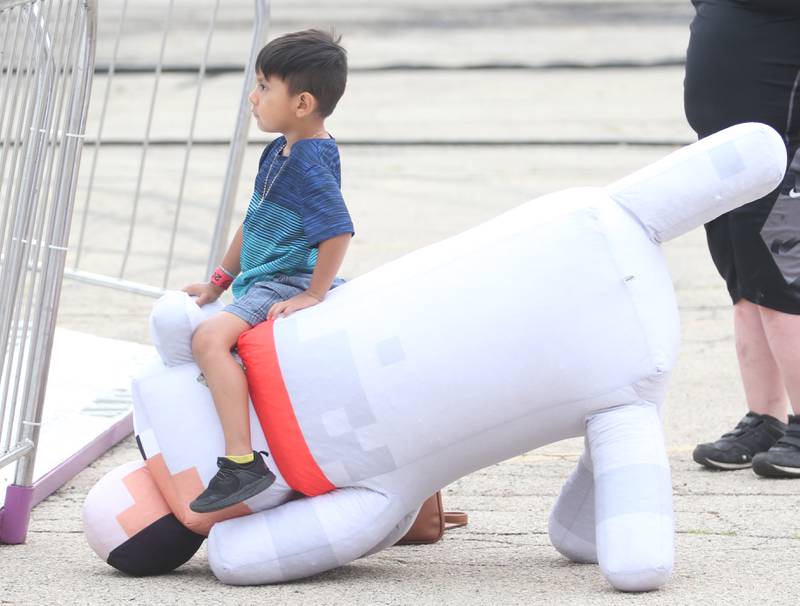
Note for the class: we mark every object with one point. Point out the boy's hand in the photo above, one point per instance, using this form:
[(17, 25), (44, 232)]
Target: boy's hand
[(284, 308), (205, 292)]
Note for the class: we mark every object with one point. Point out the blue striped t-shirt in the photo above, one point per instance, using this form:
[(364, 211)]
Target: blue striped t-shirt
[(303, 208)]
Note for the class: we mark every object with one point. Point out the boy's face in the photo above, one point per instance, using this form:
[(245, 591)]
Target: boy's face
[(273, 107)]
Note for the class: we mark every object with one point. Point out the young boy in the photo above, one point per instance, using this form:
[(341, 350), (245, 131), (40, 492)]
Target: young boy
[(286, 254)]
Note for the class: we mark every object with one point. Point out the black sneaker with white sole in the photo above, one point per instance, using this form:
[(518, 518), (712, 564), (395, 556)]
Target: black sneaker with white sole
[(233, 483), (783, 459), (755, 433)]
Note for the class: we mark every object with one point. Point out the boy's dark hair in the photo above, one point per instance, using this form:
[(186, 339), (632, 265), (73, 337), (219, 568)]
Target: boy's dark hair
[(310, 60)]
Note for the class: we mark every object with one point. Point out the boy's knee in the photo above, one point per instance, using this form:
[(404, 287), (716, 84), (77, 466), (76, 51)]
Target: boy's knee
[(203, 341)]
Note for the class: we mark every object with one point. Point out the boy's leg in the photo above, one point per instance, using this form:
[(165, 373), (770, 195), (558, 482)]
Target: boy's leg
[(242, 472), (211, 346)]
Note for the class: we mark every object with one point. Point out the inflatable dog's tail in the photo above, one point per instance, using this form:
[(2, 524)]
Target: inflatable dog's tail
[(701, 181)]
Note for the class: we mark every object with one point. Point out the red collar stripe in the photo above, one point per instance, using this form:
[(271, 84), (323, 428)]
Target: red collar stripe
[(275, 412)]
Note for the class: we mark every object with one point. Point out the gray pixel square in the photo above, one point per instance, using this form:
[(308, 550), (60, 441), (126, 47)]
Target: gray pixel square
[(726, 160), (390, 351)]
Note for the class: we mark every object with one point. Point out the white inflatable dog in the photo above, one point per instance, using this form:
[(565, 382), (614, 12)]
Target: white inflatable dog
[(554, 320)]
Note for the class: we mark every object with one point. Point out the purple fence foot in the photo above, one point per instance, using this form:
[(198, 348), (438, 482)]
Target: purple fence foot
[(15, 515)]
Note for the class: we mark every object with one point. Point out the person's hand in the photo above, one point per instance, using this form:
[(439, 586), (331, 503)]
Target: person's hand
[(284, 308), (205, 292)]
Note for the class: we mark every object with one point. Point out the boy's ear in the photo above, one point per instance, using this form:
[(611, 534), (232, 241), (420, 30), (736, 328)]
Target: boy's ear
[(306, 104)]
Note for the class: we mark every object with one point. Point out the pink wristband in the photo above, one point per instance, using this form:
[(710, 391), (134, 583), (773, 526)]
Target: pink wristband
[(221, 278)]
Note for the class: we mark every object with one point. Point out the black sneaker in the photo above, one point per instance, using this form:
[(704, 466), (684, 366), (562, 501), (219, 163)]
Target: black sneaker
[(735, 450), (783, 459), (233, 483)]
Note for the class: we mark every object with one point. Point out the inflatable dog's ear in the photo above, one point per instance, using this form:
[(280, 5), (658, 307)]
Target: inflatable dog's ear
[(129, 524)]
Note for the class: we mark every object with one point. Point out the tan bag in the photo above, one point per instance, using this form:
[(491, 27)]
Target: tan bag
[(431, 522)]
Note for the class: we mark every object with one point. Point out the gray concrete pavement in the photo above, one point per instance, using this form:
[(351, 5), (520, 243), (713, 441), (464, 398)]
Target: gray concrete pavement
[(420, 32), (738, 537), (506, 105)]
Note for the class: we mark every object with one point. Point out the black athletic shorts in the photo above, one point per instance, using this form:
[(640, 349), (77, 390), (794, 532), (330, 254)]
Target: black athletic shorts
[(743, 65)]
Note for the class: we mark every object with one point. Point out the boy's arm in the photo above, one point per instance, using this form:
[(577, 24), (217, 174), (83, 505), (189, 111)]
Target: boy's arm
[(232, 259), (206, 292), (329, 260)]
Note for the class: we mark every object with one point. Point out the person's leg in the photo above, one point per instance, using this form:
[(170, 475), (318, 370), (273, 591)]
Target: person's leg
[(759, 369), (211, 345), (764, 425), (782, 330)]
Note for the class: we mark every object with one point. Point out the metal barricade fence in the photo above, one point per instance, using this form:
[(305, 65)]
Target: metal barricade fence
[(126, 233), (46, 60), (151, 203)]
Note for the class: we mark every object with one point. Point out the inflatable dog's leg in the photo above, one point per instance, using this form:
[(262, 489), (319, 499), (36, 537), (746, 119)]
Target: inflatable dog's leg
[(571, 526), (302, 537), (633, 497), (395, 534)]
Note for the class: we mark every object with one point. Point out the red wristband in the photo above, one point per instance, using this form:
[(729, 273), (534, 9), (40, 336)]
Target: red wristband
[(221, 278)]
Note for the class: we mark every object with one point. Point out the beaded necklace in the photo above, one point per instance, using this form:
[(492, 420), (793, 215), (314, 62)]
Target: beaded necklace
[(267, 185)]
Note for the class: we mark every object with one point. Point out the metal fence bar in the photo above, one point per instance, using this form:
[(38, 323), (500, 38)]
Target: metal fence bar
[(200, 77), (19, 138), (4, 310), (239, 142), (33, 218), (52, 137), (5, 77), (137, 194), (24, 238), (28, 138), (39, 196), (98, 140), (9, 124), (53, 248)]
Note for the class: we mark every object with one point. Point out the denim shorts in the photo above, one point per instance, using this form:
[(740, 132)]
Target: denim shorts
[(253, 306)]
